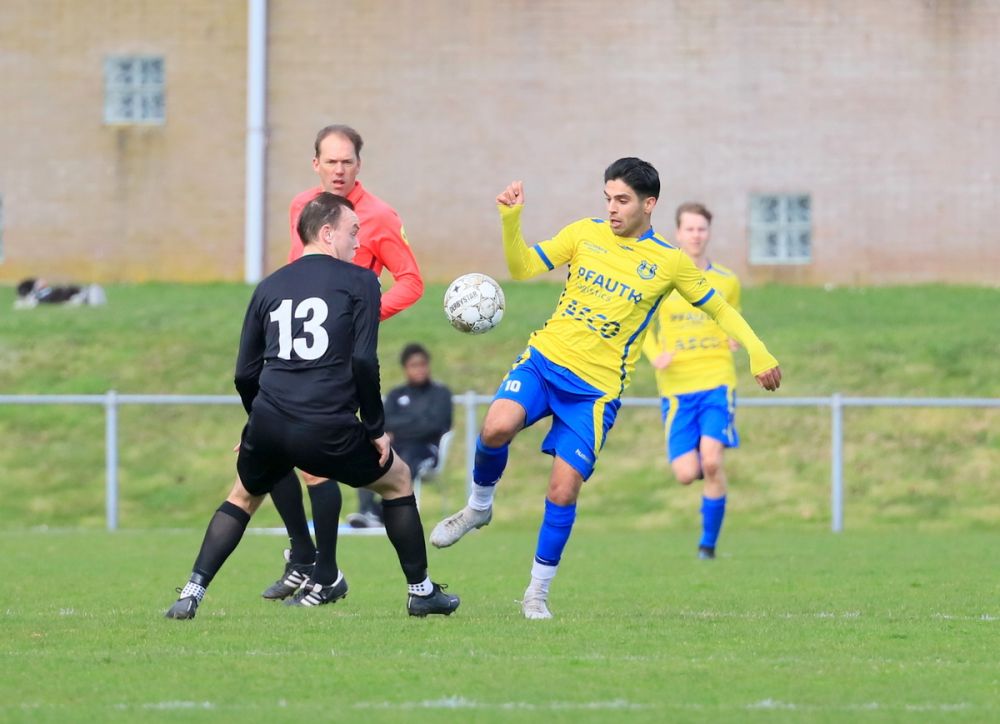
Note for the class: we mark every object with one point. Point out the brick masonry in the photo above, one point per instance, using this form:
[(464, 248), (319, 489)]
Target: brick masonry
[(886, 113)]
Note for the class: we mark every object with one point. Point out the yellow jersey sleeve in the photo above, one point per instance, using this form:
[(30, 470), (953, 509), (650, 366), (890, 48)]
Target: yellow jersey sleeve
[(735, 326), (700, 358), (692, 285), (526, 261)]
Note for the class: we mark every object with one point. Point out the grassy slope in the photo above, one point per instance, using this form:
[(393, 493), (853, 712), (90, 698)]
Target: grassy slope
[(934, 468), (784, 627)]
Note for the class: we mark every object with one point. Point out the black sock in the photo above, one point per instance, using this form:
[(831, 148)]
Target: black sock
[(221, 538), (406, 532), (326, 502), (287, 498)]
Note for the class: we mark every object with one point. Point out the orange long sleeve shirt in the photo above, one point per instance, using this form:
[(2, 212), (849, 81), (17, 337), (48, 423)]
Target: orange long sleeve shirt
[(382, 245)]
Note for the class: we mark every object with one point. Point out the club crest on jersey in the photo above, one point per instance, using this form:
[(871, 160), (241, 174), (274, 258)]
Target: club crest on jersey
[(646, 270)]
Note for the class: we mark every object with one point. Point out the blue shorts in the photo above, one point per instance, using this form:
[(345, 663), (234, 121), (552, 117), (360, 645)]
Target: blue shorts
[(691, 416), (581, 414)]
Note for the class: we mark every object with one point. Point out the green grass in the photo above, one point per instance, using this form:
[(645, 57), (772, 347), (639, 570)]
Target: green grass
[(786, 626), (931, 468), (894, 620)]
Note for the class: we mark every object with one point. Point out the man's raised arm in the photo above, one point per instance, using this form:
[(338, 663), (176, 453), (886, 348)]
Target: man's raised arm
[(523, 261), (692, 285)]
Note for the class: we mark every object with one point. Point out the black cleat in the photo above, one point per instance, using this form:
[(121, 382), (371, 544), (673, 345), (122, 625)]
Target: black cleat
[(437, 601), (294, 576), (314, 594), (706, 553), (183, 608)]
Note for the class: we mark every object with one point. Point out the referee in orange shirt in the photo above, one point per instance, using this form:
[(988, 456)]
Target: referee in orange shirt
[(383, 245)]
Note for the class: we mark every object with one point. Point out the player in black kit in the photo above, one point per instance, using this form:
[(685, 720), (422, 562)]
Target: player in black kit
[(307, 364)]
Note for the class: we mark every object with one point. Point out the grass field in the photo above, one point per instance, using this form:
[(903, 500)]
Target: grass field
[(932, 468), (896, 619), (786, 626)]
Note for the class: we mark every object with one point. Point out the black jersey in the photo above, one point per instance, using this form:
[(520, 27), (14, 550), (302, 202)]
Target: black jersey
[(418, 413), (308, 348)]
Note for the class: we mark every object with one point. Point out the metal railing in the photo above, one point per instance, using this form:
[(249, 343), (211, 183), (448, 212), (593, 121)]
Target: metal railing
[(111, 401)]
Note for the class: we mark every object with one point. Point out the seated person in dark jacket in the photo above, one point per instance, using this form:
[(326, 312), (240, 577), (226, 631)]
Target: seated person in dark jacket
[(417, 415)]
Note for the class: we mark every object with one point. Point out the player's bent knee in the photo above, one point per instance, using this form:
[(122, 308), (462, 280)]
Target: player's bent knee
[(499, 430), (310, 479), (712, 466), (686, 467), (503, 421), (686, 475), (396, 483), (244, 499)]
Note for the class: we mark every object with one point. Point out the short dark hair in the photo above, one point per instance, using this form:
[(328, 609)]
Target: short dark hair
[(346, 131), (693, 207), (412, 350), (325, 209), (638, 174)]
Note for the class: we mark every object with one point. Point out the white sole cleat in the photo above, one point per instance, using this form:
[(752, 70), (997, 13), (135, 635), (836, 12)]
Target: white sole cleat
[(450, 530), (534, 607)]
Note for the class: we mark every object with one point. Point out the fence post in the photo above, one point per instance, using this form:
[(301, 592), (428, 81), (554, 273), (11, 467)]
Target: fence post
[(470, 439), (837, 463), (111, 459)]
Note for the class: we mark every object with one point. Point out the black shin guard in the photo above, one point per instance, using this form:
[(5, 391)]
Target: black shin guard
[(287, 497), (406, 532), (326, 504), (221, 538)]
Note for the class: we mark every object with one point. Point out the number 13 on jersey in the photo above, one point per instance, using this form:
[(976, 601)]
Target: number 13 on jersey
[(314, 311)]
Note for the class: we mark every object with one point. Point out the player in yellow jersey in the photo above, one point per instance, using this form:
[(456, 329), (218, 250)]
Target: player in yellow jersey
[(576, 366), (693, 359)]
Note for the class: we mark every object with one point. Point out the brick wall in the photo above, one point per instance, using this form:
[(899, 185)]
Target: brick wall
[(886, 113), (84, 200)]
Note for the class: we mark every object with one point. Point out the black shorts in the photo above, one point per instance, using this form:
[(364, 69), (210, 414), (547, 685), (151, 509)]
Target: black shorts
[(271, 446)]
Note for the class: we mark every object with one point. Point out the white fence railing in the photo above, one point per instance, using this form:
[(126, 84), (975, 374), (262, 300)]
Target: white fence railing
[(111, 401)]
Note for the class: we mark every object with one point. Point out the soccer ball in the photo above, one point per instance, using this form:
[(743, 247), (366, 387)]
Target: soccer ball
[(474, 303)]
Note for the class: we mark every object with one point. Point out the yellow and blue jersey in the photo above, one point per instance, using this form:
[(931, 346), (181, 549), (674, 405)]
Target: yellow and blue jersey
[(701, 359), (613, 290)]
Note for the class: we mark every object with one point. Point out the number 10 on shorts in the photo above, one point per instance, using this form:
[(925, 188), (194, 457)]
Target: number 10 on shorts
[(512, 386)]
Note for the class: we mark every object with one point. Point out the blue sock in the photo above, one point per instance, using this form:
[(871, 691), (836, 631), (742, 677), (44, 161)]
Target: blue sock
[(490, 463), (713, 510), (556, 527)]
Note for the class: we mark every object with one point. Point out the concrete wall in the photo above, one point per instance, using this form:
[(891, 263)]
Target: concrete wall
[(886, 113)]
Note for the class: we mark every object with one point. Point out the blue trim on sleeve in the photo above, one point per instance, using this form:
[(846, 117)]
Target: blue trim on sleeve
[(545, 259), (597, 221), (704, 298)]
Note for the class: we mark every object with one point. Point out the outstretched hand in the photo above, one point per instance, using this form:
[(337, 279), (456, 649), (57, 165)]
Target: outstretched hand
[(512, 195), (384, 447), (770, 379)]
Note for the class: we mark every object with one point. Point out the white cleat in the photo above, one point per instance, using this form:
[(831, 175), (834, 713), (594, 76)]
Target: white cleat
[(451, 529), (535, 607)]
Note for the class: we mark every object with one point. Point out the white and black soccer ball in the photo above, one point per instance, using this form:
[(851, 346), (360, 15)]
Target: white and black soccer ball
[(474, 303)]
